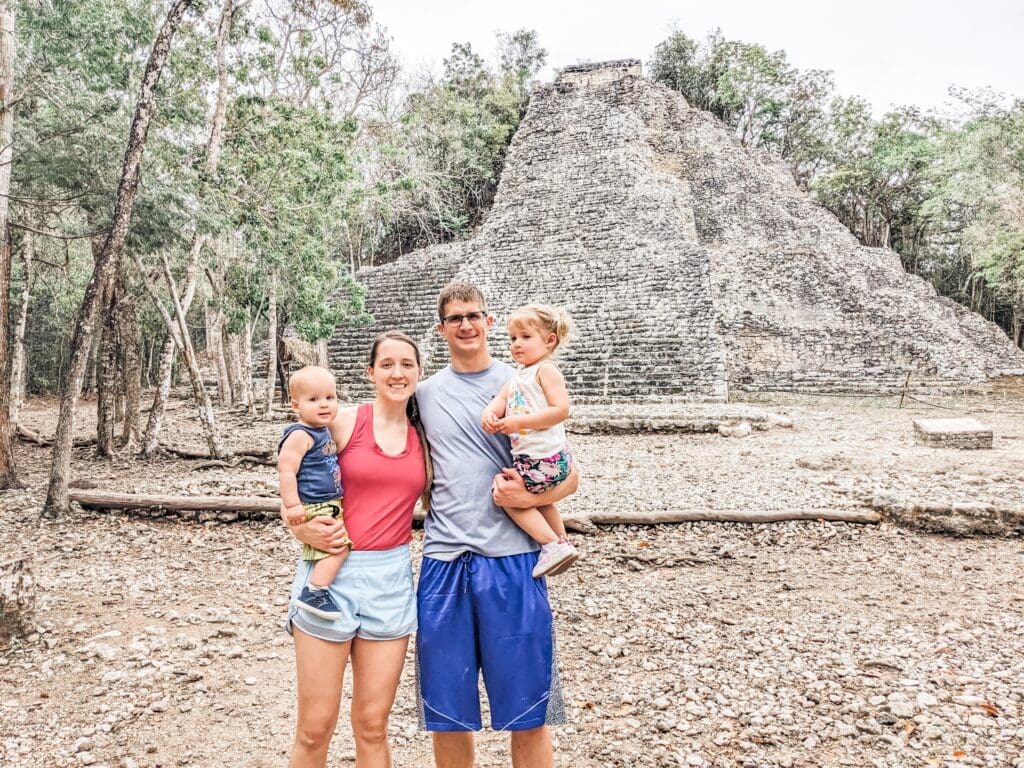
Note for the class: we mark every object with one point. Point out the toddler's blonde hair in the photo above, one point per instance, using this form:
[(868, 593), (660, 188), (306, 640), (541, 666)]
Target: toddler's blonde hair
[(547, 319)]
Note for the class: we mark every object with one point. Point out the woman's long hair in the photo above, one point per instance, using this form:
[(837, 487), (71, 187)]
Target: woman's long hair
[(412, 411)]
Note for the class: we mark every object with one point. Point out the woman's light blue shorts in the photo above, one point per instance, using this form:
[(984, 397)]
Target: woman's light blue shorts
[(374, 592)]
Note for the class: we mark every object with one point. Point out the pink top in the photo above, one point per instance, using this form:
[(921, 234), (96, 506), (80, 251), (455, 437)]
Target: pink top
[(380, 490)]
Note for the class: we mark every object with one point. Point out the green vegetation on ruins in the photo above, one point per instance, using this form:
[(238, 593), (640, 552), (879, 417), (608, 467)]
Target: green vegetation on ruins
[(945, 192)]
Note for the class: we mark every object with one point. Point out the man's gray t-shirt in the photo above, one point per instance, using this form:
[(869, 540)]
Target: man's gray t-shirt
[(462, 517)]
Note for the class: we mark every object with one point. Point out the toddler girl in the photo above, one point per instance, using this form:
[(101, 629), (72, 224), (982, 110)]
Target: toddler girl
[(531, 409)]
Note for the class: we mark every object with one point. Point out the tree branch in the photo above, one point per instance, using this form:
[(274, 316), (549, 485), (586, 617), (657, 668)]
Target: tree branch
[(57, 235)]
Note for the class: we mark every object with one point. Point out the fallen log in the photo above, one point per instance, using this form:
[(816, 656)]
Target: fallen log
[(27, 434), (724, 516), (262, 457), (30, 436), (17, 599), (114, 500), (581, 523)]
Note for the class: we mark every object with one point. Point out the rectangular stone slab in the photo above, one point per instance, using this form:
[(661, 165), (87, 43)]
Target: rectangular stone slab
[(964, 433)]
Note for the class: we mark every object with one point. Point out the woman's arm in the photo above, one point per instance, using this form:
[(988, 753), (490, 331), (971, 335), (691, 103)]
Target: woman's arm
[(321, 532), (509, 491), (552, 383), (343, 426)]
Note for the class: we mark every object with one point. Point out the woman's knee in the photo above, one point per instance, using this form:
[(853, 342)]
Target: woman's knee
[(314, 733), (370, 727)]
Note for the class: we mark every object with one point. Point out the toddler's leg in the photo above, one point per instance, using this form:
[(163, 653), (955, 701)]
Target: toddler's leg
[(326, 569), (565, 553), (554, 519), (533, 524), (544, 525), (315, 598)]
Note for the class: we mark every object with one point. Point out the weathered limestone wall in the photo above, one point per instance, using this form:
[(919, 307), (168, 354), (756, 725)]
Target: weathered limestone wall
[(599, 73), (690, 265)]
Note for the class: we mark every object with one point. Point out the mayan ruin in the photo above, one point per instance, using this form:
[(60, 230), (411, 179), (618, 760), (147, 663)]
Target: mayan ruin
[(692, 267)]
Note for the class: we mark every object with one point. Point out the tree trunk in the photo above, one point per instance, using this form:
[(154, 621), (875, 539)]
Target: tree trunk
[(8, 470), (282, 374), (154, 423), (163, 389), (115, 500), (106, 372), (215, 351), (165, 372), (250, 394), (150, 347), (18, 378), (57, 492), (89, 382), (233, 355), (268, 403), (206, 417), (131, 343)]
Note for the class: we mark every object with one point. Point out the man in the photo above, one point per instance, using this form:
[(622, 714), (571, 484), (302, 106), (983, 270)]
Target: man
[(479, 608)]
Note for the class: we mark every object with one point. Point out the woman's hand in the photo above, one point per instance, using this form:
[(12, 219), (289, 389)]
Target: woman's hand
[(322, 532)]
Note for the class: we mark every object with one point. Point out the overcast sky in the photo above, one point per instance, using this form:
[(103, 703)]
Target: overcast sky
[(891, 52)]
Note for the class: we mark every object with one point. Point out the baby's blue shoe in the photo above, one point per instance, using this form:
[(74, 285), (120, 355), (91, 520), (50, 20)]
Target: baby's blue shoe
[(318, 602)]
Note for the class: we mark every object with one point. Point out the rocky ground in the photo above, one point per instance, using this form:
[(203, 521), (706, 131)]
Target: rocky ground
[(159, 642)]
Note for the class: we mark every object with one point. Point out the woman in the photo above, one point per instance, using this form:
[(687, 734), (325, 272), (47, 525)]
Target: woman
[(384, 470)]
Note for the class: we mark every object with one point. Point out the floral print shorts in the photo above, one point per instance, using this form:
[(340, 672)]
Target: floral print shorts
[(540, 474)]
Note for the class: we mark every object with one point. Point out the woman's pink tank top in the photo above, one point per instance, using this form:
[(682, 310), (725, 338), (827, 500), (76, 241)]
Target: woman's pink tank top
[(380, 490)]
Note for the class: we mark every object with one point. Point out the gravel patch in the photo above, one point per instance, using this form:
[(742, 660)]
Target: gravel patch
[(160, 643)]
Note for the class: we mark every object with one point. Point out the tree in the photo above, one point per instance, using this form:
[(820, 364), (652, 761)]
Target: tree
[(106, 261), (8, 471), (284, 169), (174, 321), (977, 204), (431, 176)]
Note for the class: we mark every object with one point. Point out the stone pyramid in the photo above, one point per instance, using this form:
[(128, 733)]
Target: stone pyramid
[(691, 266)]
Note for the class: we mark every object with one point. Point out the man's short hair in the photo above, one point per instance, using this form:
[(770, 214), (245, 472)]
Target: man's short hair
[(459, 291)]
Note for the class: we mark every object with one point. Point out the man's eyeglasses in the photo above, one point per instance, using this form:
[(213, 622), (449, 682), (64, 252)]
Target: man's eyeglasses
[(454, 321)]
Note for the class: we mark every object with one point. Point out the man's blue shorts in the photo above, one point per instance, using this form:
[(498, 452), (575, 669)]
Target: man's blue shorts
[(485, 614)]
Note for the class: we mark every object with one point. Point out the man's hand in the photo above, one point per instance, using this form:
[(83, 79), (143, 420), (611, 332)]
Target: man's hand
[(509, 491)]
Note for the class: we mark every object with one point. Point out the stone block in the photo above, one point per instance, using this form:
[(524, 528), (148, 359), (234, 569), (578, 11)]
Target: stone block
[(964, 433)]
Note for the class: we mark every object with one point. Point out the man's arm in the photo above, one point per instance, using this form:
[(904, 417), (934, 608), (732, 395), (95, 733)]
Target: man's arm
[(509, 491)]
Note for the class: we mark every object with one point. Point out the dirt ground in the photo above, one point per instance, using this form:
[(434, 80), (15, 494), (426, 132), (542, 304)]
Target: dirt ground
[(160, 642)]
